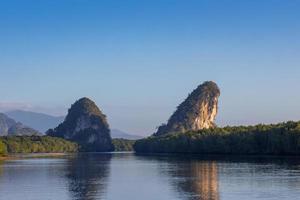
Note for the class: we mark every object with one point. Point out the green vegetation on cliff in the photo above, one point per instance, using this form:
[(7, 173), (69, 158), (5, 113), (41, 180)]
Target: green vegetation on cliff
[(275, 139), (123, 144), (35, 144)]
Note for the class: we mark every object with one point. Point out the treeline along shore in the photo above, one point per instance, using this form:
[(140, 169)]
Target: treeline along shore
[(47, 144), (35, 144), (276, 139)]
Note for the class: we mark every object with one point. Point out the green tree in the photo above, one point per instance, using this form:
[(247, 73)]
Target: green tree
[(3, 148)]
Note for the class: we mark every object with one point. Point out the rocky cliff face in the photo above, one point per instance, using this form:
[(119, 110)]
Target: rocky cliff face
[(86, 125), (9, 127), (197, 112)]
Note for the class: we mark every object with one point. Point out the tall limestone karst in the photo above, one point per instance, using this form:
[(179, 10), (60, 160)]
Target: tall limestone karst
[(197, 112), (86, 125)]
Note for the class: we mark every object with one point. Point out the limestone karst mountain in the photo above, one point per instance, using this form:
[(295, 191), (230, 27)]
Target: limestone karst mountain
[(9, 127), (86, 125), (197, 112)]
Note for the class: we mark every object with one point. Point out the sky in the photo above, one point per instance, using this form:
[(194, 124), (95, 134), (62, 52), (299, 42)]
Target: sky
[(139, 59)]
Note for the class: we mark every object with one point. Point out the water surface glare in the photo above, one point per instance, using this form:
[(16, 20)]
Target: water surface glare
[(134, 177)]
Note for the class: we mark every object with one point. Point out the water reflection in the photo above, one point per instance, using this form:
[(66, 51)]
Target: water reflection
[(87, 176), (127, 176), (196, 180), (1, 168)]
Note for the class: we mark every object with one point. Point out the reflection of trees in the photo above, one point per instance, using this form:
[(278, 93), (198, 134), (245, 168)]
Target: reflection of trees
[(1, 168), (87, 175), (196, 180)]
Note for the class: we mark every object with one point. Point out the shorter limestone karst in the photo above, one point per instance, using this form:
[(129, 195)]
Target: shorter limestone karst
[(86, 125)]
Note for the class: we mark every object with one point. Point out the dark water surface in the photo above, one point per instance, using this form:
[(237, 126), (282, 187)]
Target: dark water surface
[(130, 177)]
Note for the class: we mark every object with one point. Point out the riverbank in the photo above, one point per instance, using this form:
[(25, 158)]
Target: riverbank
[(31, 155), (274, 139), (35, 144)]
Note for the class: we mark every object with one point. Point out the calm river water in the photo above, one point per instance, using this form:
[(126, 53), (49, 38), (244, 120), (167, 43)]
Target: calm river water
[(126, 176)]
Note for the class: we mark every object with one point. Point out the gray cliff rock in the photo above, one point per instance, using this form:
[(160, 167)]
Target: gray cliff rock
[(197, 112)]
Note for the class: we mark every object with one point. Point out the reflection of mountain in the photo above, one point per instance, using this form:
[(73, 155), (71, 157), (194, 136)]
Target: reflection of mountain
[(196, 180), (87, 176), (1, 168)]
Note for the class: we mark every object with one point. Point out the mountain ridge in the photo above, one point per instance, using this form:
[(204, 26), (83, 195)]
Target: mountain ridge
[(9, 127), (39, 121)]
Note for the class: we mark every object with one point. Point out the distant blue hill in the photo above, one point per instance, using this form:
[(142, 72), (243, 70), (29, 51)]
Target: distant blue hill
[(115, 133), (9, 127), (42, 122), (39, 121)]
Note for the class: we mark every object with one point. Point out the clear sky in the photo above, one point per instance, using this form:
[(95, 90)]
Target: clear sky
[(139, 59)]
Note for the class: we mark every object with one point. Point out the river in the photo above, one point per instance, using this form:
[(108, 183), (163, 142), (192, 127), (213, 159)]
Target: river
[(126, 176)]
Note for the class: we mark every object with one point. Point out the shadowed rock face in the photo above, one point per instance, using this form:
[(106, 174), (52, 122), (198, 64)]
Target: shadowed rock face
[(86, 125), (197, 112)]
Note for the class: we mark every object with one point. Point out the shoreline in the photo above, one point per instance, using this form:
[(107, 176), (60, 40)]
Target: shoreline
[(31, 155), (188, 155)]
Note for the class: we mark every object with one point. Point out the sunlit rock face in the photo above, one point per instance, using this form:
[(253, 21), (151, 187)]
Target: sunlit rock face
[(86, 125), (197, 112), (197, 178)]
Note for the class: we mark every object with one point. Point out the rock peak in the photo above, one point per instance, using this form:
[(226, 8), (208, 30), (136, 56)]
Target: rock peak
[(86, 106), (84, 100), (197, 112)]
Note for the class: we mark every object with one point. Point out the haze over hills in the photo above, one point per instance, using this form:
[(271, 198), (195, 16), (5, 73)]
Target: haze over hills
[(9, 127), (39, 121), (116, 133)]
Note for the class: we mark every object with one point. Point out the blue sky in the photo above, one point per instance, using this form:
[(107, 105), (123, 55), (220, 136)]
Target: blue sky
[(139, 59)]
